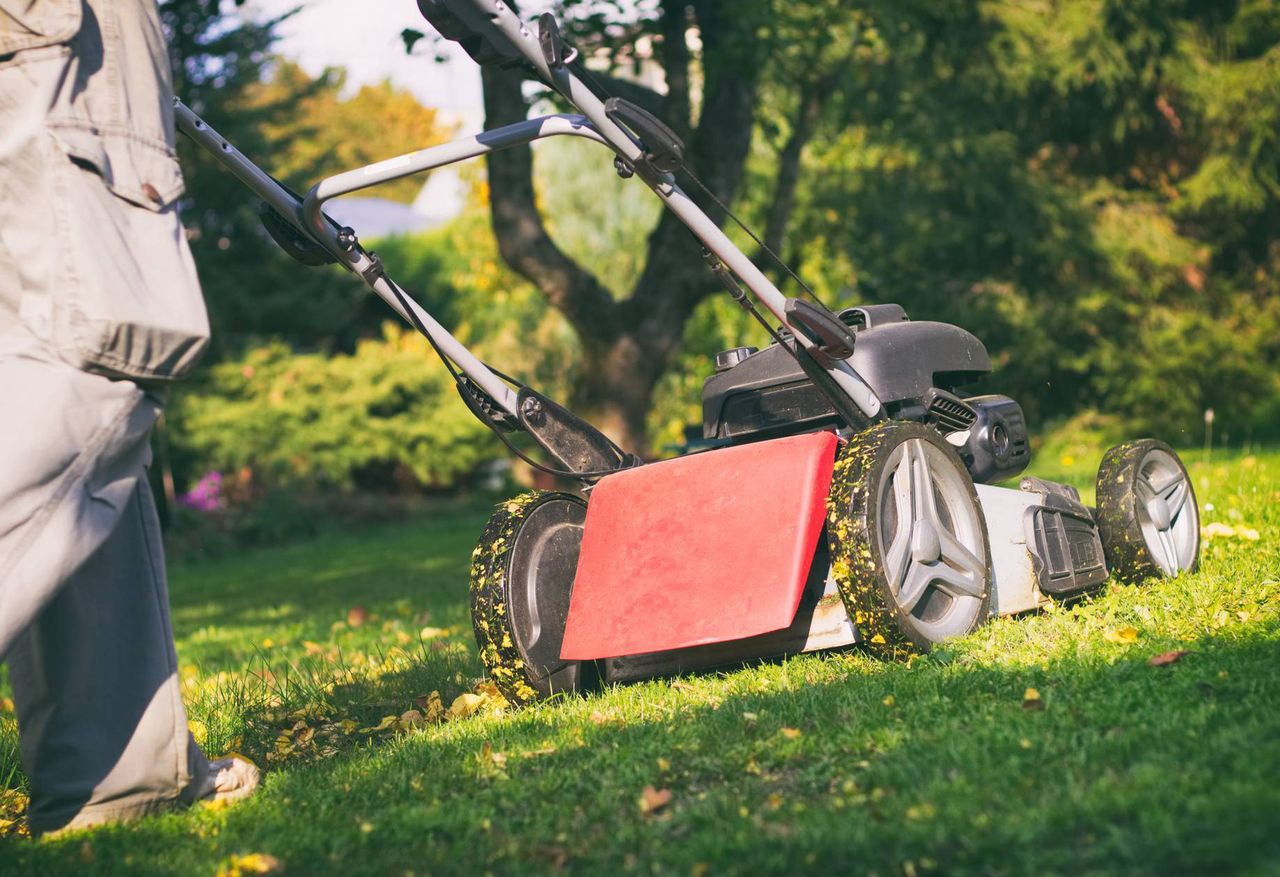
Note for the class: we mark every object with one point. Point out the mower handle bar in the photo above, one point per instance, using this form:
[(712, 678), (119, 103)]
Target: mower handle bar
[(308, 217), (494, 22)]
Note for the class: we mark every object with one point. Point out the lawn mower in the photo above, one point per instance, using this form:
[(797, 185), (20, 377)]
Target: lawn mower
[(849, 496)]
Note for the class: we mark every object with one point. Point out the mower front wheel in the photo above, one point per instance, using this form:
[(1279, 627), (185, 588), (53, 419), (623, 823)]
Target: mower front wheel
[(521, 579), (1147, 512), (908, 540)]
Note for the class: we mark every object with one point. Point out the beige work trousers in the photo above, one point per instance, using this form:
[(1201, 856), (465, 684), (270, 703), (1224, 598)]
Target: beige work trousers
[(99, 306)]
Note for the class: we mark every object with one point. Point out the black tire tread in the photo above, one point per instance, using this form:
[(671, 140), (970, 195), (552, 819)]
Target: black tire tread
[(490, 619)]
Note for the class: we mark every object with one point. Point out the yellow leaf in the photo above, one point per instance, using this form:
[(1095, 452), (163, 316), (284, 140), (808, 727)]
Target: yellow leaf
[(889, 700), (465, 704), (1127, 634), (433, 632), (250, 863), (431, 706), (386, 723), (791, 733)]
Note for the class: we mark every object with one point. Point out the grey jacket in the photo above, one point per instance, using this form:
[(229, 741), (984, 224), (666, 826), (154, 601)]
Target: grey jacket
[(140, 315)]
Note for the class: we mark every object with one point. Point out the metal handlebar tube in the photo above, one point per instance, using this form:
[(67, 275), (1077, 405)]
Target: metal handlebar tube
[(493, 20), (432, 157), (309, 219)]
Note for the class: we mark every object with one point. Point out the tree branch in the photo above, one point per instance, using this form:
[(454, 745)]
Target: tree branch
[(803, 127), (675, 65), (674, 279), (522, 239)]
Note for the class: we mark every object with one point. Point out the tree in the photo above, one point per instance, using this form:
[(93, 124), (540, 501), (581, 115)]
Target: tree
[(629, 341)]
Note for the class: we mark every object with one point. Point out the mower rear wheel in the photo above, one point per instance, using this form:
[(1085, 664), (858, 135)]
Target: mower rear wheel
[(908, 540), (521, 579), (1147, 513)]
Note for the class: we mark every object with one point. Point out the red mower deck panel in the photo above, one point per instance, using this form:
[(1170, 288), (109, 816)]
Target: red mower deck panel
[(701, 549)]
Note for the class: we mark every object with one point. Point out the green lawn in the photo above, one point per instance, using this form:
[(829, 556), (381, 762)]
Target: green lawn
[(819, 764)]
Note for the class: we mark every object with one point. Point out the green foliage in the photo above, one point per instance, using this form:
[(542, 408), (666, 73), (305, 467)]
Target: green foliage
[(386, 414), (1090, 187)]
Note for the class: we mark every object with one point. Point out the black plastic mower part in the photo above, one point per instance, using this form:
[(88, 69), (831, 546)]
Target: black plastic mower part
[(869, 316), (998, 446), (484, 407), (947, 411), (727, 359), (1066, 550), (464, 24), (554, 49), (579, 446), (291, 240), (832, 339), (663, 148)]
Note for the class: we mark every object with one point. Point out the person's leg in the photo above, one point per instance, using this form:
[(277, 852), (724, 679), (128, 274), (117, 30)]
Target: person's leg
[(103, 731)]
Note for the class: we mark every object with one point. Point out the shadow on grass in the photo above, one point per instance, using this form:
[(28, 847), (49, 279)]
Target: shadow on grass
[(817, 765)]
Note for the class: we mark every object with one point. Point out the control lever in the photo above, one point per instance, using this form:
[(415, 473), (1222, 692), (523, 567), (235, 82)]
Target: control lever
[(832, 339), (554, 49), (663, 149)]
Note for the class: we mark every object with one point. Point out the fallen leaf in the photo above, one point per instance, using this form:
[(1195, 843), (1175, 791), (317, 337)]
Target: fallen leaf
[(653, 800), (889, 700), (750, 717), (433, 632), (1164, 659), (431, 706), (387, 723), (1127, 634), (1031, 700), (410, 719), (357, 616), (791, 733), (597, 717), (465, 704), (250, 863)]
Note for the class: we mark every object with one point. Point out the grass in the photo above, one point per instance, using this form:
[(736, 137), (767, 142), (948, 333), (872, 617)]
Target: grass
[(817, 764)]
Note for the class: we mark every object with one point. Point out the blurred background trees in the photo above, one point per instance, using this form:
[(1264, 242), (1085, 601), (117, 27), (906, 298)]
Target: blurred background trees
[(1092, 187)]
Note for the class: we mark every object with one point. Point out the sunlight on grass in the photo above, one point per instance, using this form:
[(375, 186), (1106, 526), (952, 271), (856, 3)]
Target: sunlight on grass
[(357, 687)]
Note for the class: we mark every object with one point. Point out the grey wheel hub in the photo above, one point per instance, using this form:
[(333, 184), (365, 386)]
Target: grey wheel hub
[(931, 540), (1167, 515)]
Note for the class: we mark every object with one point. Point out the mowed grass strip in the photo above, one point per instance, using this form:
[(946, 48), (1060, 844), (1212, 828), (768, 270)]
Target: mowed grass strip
[(817, 764)]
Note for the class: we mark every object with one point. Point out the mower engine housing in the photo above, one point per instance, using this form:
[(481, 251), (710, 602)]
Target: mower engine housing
[(765, 394)]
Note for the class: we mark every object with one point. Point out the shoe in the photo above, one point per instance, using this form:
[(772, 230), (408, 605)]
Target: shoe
[(229, 779)]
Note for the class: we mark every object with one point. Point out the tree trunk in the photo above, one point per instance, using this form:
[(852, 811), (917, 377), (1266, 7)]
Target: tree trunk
[(628, 345)]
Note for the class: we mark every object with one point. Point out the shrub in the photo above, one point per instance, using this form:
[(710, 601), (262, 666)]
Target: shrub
[(383, 417)]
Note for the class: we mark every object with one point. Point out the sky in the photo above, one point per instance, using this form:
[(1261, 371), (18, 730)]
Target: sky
[(364, 37)]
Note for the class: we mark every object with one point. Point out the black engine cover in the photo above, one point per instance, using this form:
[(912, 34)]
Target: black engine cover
[(767, 393)]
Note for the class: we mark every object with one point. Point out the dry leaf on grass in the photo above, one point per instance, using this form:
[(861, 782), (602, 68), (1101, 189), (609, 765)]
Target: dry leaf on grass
[(430, 705), (1164, 659), (653, 800), (357, 616), (1031, 700)]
